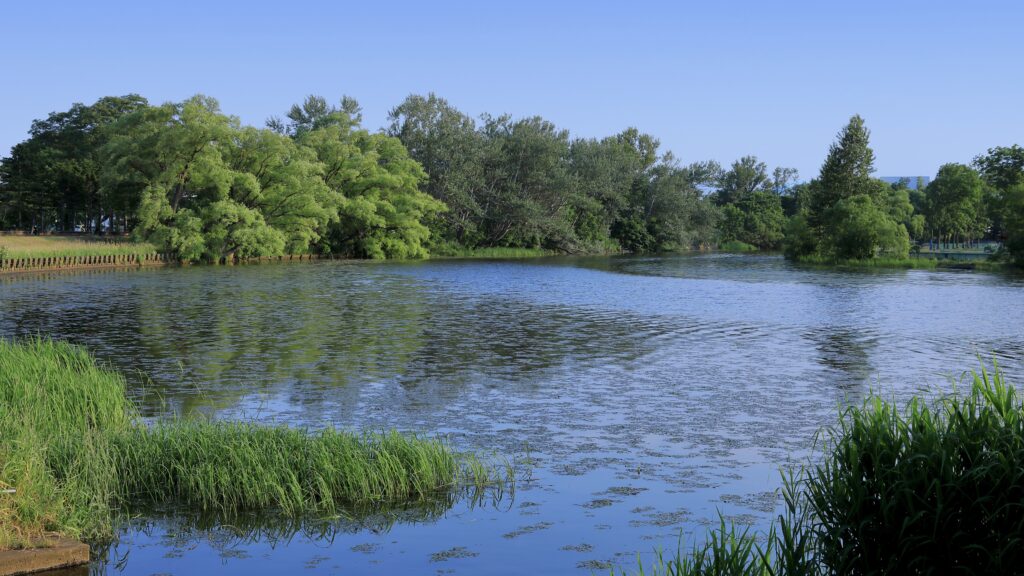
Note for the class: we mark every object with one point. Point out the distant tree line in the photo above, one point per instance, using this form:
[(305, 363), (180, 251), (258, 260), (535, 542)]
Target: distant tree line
[(845, 213), (200, 185)]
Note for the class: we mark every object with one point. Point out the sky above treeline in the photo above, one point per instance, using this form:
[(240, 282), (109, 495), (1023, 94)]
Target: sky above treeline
[(936, 81)]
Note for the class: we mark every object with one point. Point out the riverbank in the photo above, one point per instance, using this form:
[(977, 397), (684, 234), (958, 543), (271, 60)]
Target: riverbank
[(76, 457)]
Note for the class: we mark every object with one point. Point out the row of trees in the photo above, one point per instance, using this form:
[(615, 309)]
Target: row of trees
[(198, 184), (201, 185), (525, 182)]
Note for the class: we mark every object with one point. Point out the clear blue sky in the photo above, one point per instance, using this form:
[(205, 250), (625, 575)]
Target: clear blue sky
[(936, 81)]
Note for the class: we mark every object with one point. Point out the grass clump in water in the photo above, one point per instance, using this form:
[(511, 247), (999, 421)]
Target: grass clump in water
[(929, 489), (232, 466), (77, 456), (737, 246)]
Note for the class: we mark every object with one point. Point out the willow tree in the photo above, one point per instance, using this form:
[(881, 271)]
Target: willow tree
[(381, 210), (211, 190)]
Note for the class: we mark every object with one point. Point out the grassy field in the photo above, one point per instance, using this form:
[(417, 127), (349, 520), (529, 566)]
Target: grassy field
[(74, 457), (60, 246)]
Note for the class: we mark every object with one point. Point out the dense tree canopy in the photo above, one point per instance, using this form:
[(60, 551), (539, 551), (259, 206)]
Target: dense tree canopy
[(54, 176), (954, 204), (202, 186), (525, 182)]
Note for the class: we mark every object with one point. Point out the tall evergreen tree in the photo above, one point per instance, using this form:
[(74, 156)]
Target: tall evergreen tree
[(846, 171)]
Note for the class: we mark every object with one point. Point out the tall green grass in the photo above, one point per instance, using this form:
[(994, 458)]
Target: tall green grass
[(498, 252), (736, 246), (932, 488), (880, 262), (70, 246), (78, 457), (927, 489)]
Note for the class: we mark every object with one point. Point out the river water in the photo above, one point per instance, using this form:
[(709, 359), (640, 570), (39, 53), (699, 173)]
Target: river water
[(651, 394)]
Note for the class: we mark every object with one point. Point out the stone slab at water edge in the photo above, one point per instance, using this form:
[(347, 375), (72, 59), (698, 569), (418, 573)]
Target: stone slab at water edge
[(53, 554)]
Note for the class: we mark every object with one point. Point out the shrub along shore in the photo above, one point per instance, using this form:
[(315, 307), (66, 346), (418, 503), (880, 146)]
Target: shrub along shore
[(75, 457)]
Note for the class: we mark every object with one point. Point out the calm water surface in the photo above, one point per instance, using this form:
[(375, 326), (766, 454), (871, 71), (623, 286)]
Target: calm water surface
[(651, 393)]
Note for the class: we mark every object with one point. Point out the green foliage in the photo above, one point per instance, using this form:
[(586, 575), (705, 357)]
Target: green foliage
[(446, 143), (857, 228), (848, 215), (926, 490), (1002, 168), (746, 176), (451, 250), (381, 211), (755, 219), (53, 178), (954, 203), (524, 183), (846, 171), (199, 185), (736, 246), (1013, 218), (79, 457), (198, 201), (801, 240)]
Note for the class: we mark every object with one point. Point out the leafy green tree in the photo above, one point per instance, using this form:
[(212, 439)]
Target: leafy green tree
[(314, 113), (677, 215), (850, 214), (609, 175), (757, 219), (1013, 212), (381, 212), (1001, 168), (212, 190), (800, 239), (860, 229), (751, 200), (55, 174), (192, 197), (283, 183), (526, 183), (783, 180), (746, 176), (896, 203), (954, 204), (446, 143)]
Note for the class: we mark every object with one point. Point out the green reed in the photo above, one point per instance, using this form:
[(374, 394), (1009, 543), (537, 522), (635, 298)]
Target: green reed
[(76, 455), (933, 488)]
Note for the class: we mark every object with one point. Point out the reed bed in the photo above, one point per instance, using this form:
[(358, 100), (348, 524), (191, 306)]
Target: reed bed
[(78, 457)]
